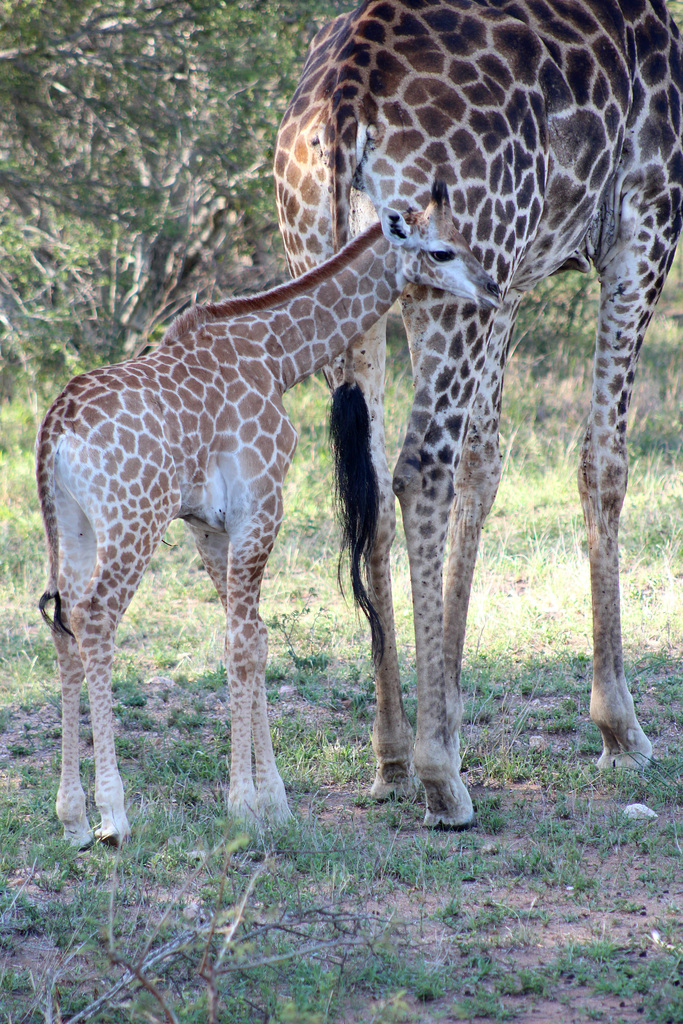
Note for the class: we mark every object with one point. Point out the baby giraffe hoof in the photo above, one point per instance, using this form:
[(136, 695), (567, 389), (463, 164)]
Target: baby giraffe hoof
[(444, 823), (277, 814), (113, 839), (404, 786), (272, 807), (634, 760), (243, 810), (80, 839), (112, 833), (449, 806)]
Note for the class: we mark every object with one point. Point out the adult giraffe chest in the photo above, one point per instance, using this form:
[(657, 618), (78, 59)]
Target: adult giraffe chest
[(523, 114)]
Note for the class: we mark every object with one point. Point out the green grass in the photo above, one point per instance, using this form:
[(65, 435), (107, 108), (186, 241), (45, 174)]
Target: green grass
[(353, 911)]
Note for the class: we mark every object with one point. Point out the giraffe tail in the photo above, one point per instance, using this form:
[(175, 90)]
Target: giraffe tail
[(356, 485), (357, 498), (45, 463)]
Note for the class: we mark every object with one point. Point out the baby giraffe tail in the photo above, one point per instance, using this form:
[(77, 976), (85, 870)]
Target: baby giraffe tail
[(45, 460), (357, 497)]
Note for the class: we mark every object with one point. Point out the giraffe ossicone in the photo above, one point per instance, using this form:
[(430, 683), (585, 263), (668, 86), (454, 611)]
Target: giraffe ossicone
[(556, 126), (197, 430)]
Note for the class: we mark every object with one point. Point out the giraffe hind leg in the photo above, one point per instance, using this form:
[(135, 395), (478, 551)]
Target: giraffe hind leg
[(77, 557), (71, 804), (100, 583), (632, 274), (94, 628), (392, 734)]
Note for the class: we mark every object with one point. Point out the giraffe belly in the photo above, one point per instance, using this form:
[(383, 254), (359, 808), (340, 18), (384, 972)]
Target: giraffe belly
[(218, 502)]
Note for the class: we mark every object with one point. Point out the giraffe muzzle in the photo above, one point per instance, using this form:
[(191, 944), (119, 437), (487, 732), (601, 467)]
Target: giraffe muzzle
[(492, 298)]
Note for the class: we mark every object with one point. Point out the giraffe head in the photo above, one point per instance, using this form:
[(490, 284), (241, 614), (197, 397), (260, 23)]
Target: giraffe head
[(436, 254)]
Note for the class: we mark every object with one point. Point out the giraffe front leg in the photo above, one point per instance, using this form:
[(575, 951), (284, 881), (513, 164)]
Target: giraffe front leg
[(602, 486), (448, 347), (266, 799), (246, 656), (271, 798), (437, 745), (476, 485), (213, 550), (242, 803)]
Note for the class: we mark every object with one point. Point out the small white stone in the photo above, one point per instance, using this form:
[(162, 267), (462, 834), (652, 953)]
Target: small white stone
[(538, 743), (190, 912), (639, 811), (286, 690), (489, 848)]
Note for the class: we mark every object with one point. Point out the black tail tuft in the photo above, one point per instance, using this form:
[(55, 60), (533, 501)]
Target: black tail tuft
[(357, 497), (56, 624)]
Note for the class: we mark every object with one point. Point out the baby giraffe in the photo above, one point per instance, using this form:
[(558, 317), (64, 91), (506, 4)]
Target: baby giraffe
[(197, 430)]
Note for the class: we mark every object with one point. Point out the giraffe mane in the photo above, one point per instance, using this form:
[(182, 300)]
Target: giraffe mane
[(195, 317)]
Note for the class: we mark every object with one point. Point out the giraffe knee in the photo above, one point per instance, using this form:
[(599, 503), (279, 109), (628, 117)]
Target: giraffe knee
[(248, 648), (79, 620), (92, 616)]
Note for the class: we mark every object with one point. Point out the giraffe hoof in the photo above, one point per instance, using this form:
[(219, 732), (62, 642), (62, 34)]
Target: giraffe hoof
[(404, 787), (634, 760), (444, 823), (449, 806), (113, 839), (276, 812), (81, 839), (113, 831)]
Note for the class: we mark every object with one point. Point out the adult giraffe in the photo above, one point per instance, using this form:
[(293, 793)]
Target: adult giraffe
[(556, 125)]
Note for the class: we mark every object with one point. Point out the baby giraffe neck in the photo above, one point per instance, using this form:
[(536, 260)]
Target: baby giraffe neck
[(327, 320)]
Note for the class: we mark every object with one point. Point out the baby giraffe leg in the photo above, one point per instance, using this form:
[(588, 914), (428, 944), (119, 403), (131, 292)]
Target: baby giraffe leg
[(94, 620), (247, 653), (78, 560), (70, 797), (213, 550), (94, 630), (270, 790)]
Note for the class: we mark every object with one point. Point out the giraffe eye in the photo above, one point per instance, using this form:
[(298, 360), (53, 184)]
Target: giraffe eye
[(442, 255)]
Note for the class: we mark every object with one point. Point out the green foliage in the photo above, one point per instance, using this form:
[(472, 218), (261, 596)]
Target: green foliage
[(135, 167)]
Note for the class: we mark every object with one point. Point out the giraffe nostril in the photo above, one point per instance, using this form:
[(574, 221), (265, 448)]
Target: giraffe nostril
[(493, 288)]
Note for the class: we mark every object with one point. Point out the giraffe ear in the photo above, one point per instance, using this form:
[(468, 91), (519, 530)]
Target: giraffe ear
[(395, 227)]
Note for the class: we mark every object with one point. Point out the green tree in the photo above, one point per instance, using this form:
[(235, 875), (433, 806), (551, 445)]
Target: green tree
[(135, 166), (135, 170)]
